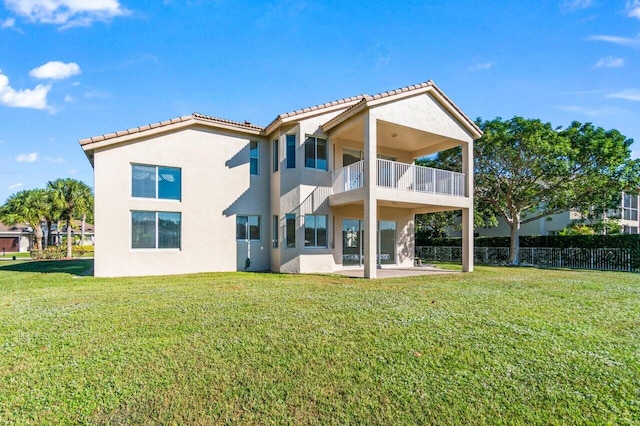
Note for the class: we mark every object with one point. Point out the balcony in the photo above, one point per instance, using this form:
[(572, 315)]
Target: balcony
[(403, 177)]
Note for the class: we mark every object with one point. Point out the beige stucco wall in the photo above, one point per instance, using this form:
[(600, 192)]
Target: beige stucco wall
[(424, 113), (216, 186)]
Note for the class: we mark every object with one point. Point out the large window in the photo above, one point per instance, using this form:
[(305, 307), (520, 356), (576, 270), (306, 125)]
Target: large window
[(291, 151), (248, 228), (155, 230), (290, 230), (315, 153), (254, 157), (315, 230), (276, 159), (156, 182)]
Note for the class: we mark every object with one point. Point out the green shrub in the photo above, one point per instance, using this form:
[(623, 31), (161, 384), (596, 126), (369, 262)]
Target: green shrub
[(54, 253), (50, 253)]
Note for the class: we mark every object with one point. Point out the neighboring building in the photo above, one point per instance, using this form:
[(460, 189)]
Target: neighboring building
[(319, 189), (16, 238), (626, 216)]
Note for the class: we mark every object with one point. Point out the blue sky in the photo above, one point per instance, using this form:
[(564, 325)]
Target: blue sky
[(71, 69)]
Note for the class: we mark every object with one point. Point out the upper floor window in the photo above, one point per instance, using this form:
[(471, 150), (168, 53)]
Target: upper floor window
[(630, 207), (254, 157), (276, 159), (315, 153), (291, 151), (156, 182), (155, 230), (248, 228)]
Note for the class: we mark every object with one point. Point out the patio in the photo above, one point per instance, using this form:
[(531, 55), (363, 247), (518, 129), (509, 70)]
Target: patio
[(398, 272)]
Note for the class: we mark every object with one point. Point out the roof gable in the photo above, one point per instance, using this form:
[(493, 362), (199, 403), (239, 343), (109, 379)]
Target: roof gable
[(368, 102)]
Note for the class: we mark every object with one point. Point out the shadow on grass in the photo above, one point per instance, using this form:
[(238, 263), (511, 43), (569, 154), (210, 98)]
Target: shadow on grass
[(80, 267)]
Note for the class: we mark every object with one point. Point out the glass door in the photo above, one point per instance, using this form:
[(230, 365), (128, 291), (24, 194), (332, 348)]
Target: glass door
[(352, 236), (386, 242)]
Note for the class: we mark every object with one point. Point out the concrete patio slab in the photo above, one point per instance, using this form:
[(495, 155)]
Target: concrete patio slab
[(398, 272)]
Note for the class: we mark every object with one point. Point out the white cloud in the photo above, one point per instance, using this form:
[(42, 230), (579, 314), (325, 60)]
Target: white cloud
[(577, 4), (633, 9), (622, 41), (27, 158), (480, 66), (66, 13), (69, 99), (15, 186), (55, 70), (628, 94), (54, 159), (72, 171), (609, 62), (8, 23), (35, 98)]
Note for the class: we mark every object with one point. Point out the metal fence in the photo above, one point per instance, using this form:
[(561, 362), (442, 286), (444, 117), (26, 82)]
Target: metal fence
[(604, 259)]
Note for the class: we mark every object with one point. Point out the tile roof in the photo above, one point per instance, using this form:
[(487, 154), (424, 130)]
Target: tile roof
[(18, 227), (317, 107), (358, 99), (184, 118)]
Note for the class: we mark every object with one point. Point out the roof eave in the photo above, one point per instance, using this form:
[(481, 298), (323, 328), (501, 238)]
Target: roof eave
[(89, 145)]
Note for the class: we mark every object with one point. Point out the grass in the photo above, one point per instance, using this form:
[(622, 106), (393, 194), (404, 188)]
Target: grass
[(18, 255), (499, 346)]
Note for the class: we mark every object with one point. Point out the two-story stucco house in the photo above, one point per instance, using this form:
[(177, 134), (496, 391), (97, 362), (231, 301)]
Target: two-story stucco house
[(319, 189)]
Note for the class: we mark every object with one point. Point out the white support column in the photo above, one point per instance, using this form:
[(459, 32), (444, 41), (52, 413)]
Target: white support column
[(370, 222), (467, 214)]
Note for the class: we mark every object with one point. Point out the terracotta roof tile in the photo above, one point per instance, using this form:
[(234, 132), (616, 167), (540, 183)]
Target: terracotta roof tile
[(316, 108), (167, 123), (247, 125), (225, 121)]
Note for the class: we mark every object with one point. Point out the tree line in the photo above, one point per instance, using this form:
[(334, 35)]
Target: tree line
[(63, 200), (525, 169)]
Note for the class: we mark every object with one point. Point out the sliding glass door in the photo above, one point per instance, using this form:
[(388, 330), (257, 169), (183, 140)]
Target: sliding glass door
[(353, 247)]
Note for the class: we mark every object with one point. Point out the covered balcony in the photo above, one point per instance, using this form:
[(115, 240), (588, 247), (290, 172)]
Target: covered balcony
[(401, 185), (402, 176)]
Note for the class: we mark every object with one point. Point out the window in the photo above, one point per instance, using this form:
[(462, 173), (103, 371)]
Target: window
[(276, 159), (274, 231), (155, 230), (254, 157), (315, 230), (290, 230), (630, 207), (291, 151), (315, 153), (156, 182), (248, 228)]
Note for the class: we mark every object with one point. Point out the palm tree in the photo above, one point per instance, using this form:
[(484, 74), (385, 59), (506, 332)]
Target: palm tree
[(71, 198), (28, 206)]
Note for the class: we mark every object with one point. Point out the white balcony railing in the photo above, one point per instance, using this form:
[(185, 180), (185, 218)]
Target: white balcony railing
[(403, 176)]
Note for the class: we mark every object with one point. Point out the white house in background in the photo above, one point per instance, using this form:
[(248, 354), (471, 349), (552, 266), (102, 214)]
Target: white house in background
[(319, 189), (627, 216), (16, 238)]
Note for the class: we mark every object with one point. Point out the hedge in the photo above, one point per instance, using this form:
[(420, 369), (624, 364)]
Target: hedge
[(629, 241)]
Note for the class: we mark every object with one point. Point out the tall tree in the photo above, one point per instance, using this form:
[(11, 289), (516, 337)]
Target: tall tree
[(71, 198), (28, 206), (526, 170)]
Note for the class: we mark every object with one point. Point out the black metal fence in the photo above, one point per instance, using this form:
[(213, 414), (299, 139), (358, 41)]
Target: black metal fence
[(604, 259)]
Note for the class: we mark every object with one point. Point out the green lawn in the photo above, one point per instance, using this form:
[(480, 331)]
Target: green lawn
[(499, 346)]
